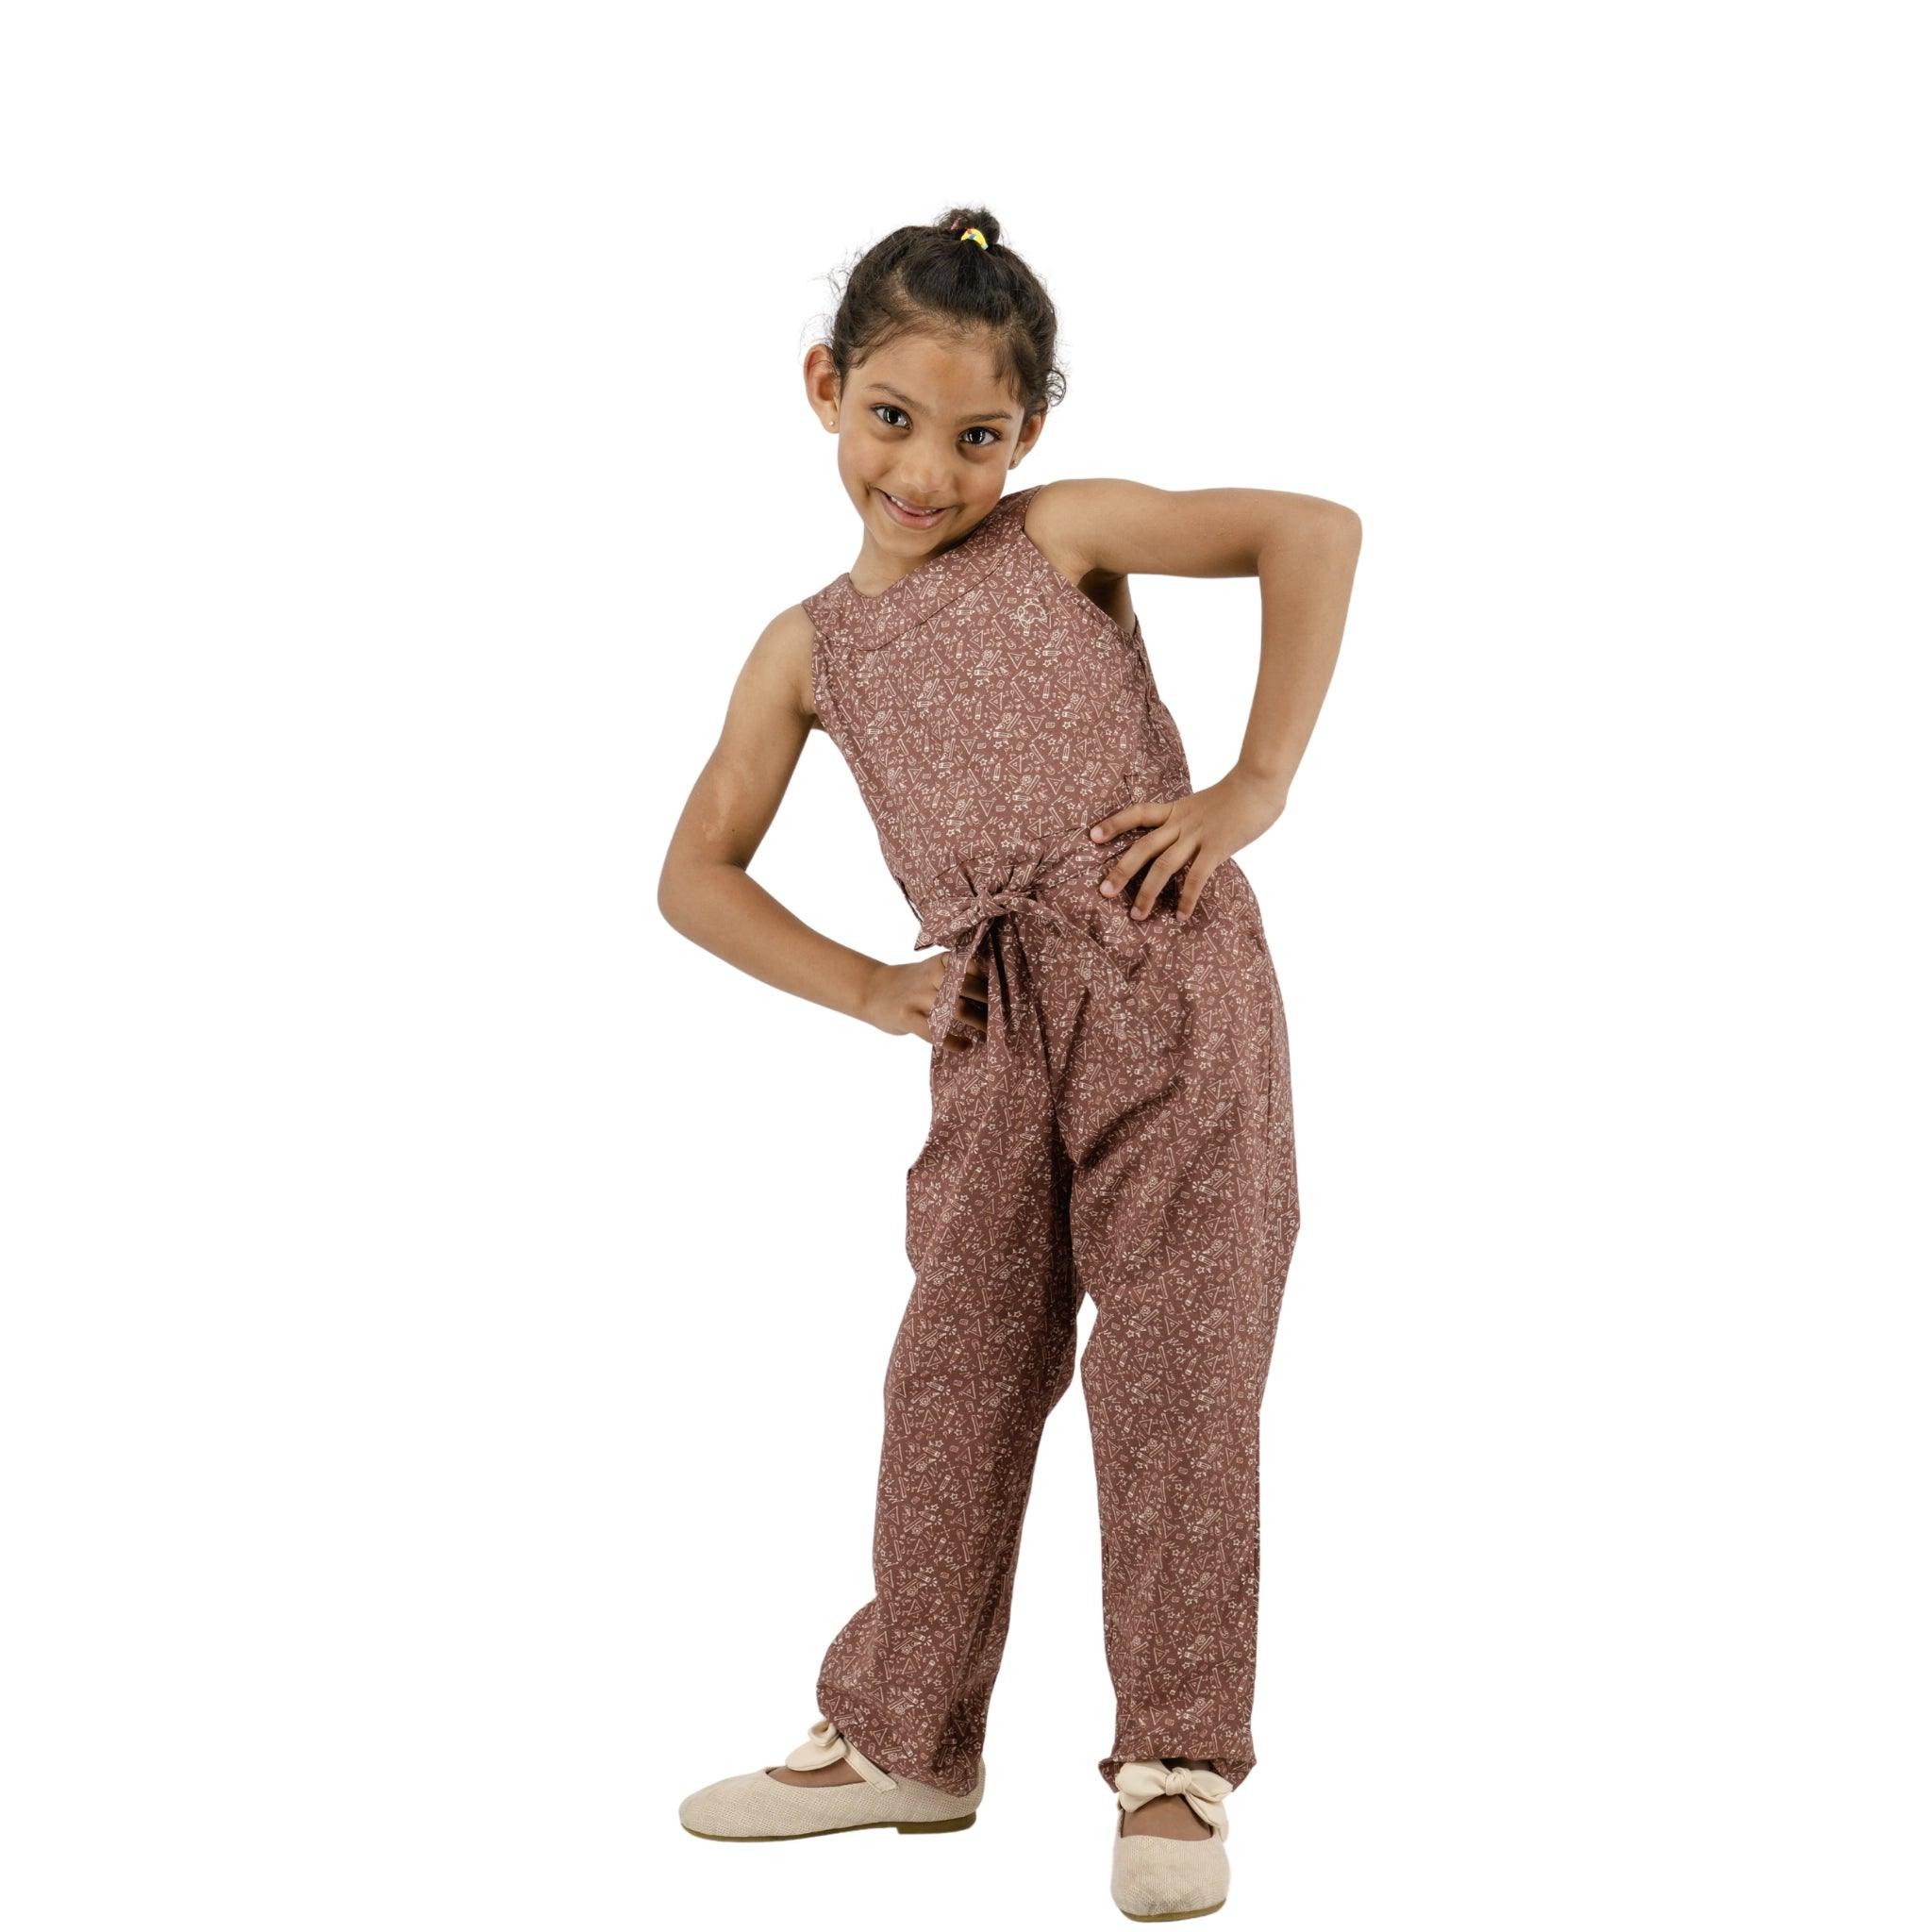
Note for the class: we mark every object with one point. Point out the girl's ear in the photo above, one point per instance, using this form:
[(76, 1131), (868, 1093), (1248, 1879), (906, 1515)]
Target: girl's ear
[(822, 385)]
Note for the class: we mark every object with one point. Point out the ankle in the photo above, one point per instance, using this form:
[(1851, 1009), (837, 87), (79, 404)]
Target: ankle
[(1170, 1817)]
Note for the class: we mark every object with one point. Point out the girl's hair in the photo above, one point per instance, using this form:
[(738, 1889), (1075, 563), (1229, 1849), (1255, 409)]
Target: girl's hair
[(934, 278)]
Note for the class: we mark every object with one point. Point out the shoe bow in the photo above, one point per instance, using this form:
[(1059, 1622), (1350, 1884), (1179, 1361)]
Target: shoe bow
[(1137, 1783), (824, 1743)]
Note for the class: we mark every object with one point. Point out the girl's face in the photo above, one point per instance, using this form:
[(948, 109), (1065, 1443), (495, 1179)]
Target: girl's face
[(926, 435)]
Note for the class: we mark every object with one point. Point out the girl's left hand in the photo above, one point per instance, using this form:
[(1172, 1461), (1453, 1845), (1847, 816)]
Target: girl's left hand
[(1198, 832)]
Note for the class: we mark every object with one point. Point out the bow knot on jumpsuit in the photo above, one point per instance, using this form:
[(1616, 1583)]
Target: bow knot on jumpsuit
[(1122, 1129)]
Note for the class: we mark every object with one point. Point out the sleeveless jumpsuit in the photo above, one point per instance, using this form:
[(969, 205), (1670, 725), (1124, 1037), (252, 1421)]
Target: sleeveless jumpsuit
[(1124, 1129)]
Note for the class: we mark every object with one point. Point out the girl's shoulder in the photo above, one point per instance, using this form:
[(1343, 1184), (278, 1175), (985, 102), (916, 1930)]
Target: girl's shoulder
[(1050, 541), (781, 657)]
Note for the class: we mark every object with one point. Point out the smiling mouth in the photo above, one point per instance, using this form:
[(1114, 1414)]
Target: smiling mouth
[(913, 509)]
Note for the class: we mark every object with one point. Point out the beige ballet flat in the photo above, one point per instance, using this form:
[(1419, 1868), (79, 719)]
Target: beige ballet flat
[(753, 1806), (1170, 1877)]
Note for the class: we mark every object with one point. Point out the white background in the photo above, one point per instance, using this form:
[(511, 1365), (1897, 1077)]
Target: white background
[(446, 1311)]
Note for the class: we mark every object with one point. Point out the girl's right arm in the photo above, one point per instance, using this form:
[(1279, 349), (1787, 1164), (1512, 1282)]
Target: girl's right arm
[(704, 889)]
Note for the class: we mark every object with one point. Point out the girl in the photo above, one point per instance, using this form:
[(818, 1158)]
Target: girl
[(1108, 1058)]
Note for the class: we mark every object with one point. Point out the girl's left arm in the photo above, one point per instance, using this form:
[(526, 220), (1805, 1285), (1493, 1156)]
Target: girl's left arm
[(1304, 550)]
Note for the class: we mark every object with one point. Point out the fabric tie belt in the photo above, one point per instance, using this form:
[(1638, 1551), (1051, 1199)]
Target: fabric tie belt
[(1015, 898)]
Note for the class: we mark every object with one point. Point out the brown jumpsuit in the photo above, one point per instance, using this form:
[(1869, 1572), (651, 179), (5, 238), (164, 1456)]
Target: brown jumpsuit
[(1124, 1129)]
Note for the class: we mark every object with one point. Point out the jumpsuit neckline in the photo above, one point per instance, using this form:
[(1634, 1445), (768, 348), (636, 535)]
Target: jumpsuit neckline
[(909, 600)]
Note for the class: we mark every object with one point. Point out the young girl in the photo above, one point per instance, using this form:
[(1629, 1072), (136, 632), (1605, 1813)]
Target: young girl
[(1108, 1056)]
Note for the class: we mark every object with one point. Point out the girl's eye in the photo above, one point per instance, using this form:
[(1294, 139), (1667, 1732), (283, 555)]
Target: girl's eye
[(977, 429)]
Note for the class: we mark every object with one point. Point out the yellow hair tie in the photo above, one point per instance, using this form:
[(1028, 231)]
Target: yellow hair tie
[(973, 235)]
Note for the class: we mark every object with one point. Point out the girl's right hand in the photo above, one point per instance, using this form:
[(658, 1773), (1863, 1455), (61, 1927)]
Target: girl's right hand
[(902, 1000)]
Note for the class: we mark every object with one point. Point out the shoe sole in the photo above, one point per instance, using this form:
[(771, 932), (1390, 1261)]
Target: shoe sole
[(773, 1838), (1153, 1918)]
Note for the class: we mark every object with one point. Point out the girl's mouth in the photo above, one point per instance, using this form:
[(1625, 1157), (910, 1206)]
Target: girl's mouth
[(912, 518)]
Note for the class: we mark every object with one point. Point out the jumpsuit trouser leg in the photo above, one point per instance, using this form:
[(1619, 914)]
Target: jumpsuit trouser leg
[(984, 1351), (1184, 1211)]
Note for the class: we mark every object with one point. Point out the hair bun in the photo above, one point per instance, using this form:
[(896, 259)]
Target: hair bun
[(958, 219)]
